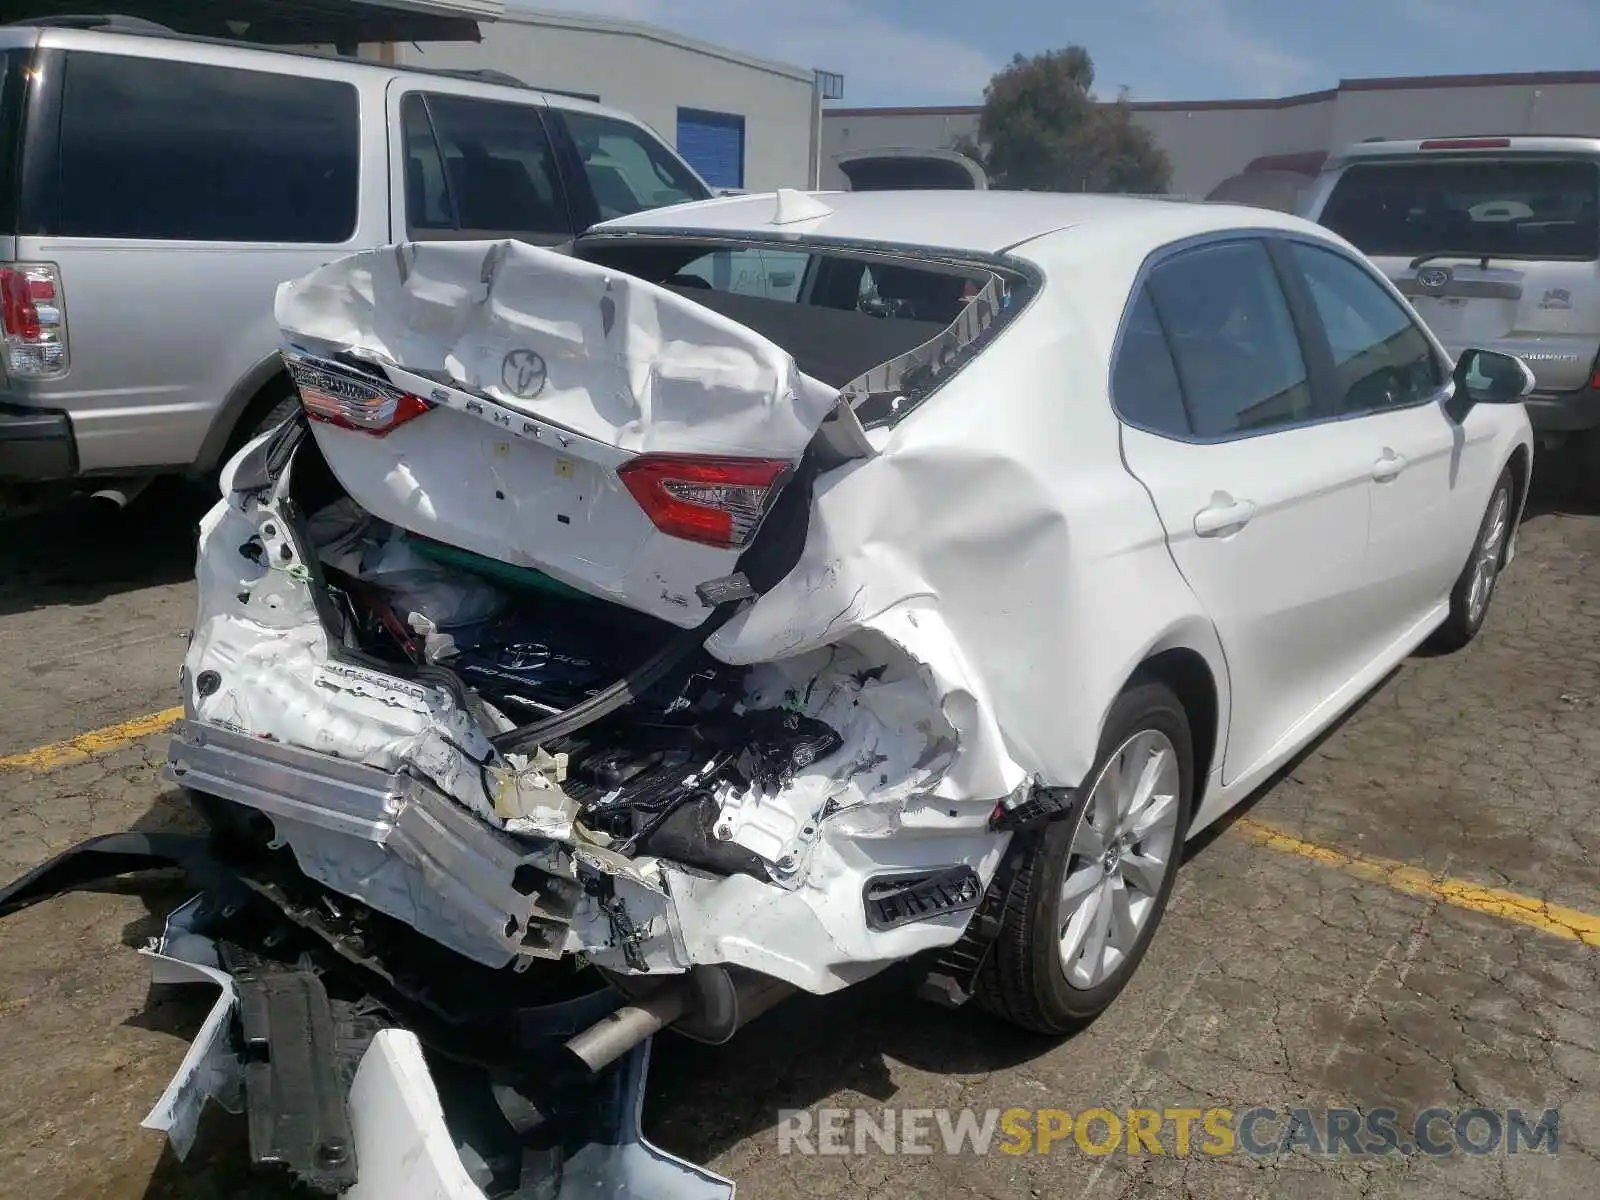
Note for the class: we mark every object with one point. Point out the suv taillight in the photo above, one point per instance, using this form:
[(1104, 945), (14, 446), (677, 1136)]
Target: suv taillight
[(339, 395), (714, 501), (33, 320)]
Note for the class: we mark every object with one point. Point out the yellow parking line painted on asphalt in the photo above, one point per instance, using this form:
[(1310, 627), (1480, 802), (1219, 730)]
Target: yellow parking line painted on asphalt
[(96, 741), (1549, 918)]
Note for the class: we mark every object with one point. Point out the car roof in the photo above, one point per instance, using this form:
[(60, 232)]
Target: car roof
[(970, 222)]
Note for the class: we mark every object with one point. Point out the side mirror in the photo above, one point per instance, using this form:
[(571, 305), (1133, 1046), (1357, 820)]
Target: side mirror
[(1489, 377)]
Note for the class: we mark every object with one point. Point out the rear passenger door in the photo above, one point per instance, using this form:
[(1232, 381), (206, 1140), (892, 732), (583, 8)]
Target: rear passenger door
[(1264, 501), (466, 167)]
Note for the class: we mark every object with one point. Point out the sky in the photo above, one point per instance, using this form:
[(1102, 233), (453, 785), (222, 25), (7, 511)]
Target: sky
[(894, 52)]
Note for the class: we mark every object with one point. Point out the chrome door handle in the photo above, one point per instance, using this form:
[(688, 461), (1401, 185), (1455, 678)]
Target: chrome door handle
[(1224, 515), (1388, 468)]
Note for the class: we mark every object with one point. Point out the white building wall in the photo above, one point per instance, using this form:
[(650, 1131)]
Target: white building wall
[(651, 73), (1208, 143), (1433, 112)]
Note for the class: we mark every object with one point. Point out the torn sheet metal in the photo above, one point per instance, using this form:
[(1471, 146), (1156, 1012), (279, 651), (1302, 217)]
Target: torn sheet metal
[(403, 1147), (407, 1152), (259, 663), (544, 374), (600, 353), (211, 1069)]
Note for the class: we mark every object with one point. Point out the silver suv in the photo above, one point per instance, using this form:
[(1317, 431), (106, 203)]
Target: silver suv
[(1496, 241), (155, 190)]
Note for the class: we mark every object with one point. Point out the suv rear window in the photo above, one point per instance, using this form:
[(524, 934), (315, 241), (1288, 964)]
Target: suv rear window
[(1515, 208), (158, 150), (13, 97)]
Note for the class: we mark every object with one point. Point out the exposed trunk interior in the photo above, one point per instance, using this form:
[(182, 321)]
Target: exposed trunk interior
[(516, 646)]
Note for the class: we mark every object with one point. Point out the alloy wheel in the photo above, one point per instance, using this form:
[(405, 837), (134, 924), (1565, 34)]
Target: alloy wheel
[(1486, 564), (1120, 854)]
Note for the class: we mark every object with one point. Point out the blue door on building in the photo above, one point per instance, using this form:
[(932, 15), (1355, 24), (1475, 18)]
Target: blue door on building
[(713, 144)]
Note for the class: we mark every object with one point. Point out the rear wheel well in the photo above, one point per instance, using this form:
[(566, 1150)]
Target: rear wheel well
[(1189, 676), (268, 396), (1521, 469)]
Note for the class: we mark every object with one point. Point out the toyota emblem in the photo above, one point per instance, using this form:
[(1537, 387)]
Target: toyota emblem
[(1434, 279), (523, 373)]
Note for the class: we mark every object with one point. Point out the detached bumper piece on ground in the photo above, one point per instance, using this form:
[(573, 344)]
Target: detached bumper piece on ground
[(354, 1088)]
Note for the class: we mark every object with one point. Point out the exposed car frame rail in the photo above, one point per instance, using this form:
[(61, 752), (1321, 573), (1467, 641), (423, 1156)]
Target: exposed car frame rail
[(479, 874)]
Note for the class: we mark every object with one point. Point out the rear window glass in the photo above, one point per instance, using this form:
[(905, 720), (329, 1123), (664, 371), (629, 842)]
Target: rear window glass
[(1527, 208), (159, 150), (13, 95)]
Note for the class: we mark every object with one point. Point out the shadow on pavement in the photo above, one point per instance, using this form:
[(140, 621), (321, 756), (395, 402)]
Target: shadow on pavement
[(1561, 486), (78, 552)]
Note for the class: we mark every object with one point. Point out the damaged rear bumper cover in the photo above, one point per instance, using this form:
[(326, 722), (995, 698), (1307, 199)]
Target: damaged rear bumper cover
[(404, 848), (389, 841)]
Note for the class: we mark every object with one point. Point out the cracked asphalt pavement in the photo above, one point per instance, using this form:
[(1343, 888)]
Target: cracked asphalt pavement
[(1278, 979)]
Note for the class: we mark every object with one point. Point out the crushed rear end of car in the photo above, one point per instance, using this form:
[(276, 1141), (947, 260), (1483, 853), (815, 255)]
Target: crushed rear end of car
[(520, 713)]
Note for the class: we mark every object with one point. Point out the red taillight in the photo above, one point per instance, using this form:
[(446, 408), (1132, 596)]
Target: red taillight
[(337, 395), (32, 320), (713, 501), (1467, 144), (16, 303)]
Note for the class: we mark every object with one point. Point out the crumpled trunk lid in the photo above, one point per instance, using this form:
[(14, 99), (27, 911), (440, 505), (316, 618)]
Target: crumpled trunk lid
[(536, 377)]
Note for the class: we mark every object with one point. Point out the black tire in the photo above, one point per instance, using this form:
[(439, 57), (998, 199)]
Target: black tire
[(280, 411), (1023, 979), (267, 411), (1466, 619)]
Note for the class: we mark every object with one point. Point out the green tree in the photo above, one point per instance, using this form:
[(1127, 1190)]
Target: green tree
[(1042, 129)]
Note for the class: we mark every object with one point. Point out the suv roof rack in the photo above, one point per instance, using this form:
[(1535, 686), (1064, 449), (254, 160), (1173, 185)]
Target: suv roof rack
[(110, 22), (481, 74)]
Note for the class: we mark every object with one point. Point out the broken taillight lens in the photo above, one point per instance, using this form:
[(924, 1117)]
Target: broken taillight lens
[(714, 501), (338, 395), (33, 320)]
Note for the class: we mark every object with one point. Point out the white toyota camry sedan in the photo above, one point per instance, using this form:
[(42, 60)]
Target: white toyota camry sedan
[(778, 587)]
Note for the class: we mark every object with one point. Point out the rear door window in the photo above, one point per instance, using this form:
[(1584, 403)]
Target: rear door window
[(1232, 339), (153, 149), (1517, 207), (13, 98), (480, 168), (628, 168)]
